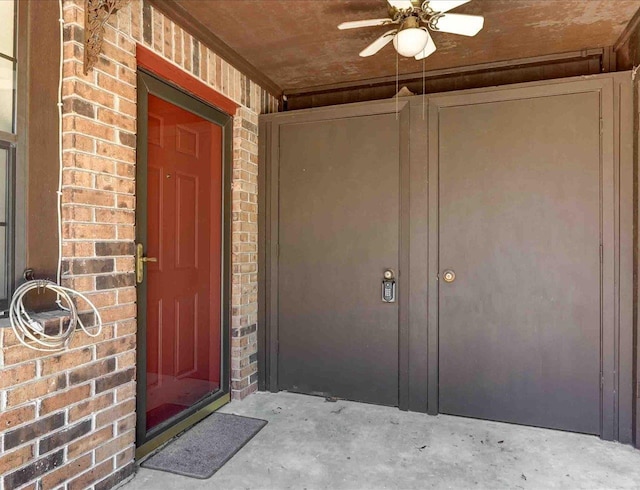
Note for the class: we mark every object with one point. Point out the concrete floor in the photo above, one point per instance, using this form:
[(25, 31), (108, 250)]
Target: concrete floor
[(313, 444)]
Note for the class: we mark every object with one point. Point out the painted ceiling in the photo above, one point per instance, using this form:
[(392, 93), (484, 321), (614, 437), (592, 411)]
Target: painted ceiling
[(296, 44)]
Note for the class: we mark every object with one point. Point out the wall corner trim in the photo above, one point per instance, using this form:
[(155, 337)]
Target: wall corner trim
[(173, 74)]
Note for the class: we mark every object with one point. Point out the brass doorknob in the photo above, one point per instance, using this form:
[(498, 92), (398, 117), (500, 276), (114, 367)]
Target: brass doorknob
[(449, 276)]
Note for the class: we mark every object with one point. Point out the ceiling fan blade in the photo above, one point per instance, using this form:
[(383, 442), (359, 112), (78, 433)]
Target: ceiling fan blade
[(428, 50), (364, 23), (401, 4), (465, 25), (445, 5), (378, 44)]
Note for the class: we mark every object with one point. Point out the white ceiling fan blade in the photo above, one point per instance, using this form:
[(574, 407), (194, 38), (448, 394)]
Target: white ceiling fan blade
[(378, 44), (445, 5), (401, 4), (465, 25), (428, 50), (364, 23)]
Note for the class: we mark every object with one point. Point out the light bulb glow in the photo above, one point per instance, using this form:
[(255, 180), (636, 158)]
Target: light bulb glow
[(409, 42)]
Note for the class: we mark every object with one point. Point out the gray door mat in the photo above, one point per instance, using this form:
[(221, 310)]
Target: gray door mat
[(206, 447)]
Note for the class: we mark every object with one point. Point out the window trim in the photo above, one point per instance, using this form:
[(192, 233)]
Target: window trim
[(18, 244), (10, 225)]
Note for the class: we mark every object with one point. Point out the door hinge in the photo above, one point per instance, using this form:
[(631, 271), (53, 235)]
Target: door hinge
[(601, 125)]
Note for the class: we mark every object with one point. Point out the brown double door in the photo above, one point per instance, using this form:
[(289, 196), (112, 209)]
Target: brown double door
[(339, 232), (520, 227), (520, 209), (184, 231)]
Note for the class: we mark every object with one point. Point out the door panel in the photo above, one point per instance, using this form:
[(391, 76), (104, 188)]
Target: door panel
[(519, 218), (339, 230), (184, 232)]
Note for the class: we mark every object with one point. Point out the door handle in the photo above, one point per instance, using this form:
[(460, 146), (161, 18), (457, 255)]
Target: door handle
[(389, 287), (140, 261), (449, 276)]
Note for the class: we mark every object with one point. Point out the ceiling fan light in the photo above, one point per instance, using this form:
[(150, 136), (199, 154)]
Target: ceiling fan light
[(409, 42)]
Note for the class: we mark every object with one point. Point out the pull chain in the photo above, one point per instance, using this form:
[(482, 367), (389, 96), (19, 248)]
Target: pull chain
[(397, 89), (423, 87)]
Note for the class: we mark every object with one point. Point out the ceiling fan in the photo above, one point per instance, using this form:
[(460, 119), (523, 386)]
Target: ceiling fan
[(411, 37)]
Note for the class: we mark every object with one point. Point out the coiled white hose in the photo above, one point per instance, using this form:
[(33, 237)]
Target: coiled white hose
[(31, 333)]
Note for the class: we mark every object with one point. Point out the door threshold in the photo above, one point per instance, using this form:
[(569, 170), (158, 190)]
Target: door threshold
[(153, 444)]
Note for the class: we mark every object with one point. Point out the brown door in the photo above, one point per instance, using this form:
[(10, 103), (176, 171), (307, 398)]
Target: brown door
[(339, 231), (520, 227), (184, 206)]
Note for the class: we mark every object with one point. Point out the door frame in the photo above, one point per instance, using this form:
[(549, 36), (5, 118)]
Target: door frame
[(419, 346), (149, 84)]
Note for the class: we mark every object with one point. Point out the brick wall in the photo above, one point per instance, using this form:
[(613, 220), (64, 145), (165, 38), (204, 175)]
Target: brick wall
[(69, 419)]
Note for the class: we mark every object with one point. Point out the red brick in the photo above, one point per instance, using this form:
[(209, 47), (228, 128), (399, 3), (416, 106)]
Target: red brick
[(126, 424), (80, 339), (65, 472), (126, 232), (125, 457), (117, 87), (127, 108), (116, 346), (118, 313), (115, 184), (88, 478), (118, 119), (32, 391), (87, 196), (125, 202), (82, 249), (15, 459), (86, 408), (14, 418), (127, 327), (127, 295), (88, 92), (89, 442), (92, 231), (125, 392), (115, 216), (64, 399), (115, 446), (126, 170), (77, 214), (17, 375), (88, 127), (126, 360), (125, 264), (65, 361), (91, 163), (117, 412)]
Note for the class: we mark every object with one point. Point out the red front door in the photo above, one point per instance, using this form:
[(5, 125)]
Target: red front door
[(184, 210)]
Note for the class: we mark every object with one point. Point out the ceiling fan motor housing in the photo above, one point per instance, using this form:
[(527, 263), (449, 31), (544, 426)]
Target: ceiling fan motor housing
[(410, 39)]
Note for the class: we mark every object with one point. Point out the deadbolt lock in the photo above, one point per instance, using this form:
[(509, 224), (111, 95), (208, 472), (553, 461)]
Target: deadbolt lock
[(449, 276), (389, 287)]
